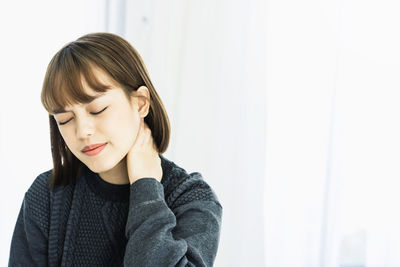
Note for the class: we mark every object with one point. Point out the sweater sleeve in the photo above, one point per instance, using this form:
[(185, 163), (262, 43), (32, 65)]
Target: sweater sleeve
[(28, 244), (188, 235)]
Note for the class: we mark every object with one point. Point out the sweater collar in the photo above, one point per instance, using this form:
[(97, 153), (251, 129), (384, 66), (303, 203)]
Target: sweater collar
[(117, 192), (104, 189)]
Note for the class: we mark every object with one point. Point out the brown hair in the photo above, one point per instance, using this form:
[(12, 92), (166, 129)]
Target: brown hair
[(62, 86)]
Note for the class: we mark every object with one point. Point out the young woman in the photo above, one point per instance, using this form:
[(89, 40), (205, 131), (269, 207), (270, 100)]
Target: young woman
[(111, 198)]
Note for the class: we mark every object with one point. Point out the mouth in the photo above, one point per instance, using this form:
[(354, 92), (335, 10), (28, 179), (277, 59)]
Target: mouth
[(91, 147), (93, 150)]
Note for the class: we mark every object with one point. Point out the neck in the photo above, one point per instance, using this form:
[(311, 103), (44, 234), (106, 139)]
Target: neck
[(116, 175)]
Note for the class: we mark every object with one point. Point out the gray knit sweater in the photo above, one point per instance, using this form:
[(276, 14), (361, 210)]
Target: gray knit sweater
[(91, 222)]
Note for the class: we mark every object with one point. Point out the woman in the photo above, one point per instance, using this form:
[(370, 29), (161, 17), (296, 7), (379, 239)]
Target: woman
[(111, 198)]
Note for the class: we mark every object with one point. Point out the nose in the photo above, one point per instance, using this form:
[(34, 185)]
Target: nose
[(84, 127)]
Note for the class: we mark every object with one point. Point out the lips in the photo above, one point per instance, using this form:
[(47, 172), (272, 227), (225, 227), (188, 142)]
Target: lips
[(92, 147)]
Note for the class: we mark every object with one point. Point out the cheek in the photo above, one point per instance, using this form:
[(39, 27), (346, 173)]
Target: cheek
[(124, 130), (67, 138), (132, 131)]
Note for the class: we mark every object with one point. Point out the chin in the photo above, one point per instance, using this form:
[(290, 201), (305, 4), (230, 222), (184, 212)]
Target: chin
[(99, 166)]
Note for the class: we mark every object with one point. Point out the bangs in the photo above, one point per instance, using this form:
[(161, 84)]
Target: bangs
[(64, 82)]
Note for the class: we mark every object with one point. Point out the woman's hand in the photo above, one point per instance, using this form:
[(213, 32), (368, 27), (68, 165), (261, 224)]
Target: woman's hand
[(142, 159)]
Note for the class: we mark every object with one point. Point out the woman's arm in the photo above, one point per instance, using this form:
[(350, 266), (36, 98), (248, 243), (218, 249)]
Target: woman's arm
[(158, 236), (29, 243), (184, 232), (30, 238)]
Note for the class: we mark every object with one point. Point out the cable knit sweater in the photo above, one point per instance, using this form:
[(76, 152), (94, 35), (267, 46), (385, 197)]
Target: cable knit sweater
[(91, 222)]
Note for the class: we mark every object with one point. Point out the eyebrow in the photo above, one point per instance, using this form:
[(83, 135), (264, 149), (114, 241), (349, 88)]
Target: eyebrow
[(58, 111)]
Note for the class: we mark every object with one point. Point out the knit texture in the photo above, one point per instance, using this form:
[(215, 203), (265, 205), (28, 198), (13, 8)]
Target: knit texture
[(91, 222)]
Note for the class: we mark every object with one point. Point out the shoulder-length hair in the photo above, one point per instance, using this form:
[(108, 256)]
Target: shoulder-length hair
[(62, 86)]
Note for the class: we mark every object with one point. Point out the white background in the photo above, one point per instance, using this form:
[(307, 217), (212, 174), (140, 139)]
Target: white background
[(289, 109)]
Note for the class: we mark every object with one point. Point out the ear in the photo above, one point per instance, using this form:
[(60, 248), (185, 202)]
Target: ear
[(141, 103)]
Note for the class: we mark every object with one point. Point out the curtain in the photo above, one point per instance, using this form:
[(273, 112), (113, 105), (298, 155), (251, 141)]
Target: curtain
[(289, 108)]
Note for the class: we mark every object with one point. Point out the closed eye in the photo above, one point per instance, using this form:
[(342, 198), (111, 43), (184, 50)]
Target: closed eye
[(93, 113)]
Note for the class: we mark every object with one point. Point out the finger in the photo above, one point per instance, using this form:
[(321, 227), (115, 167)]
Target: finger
[(141, 134), (150, 140), (146, 134), (140, 130)]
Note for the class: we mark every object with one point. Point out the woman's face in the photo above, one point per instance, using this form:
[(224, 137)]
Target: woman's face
[(116, 126)]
